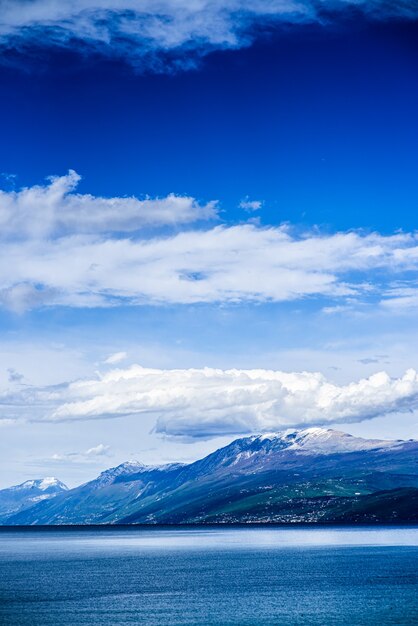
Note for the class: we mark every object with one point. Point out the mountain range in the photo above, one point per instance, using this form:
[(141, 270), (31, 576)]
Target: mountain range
[(306, 476)]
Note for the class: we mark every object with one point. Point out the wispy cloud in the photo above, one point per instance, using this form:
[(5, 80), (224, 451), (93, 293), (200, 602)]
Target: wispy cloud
[(368, 360), (91, 455), (22, 296), (14, 376), (55, 209), (401, 299), (243, 263), (250, 205), (204, 403), (117, 357), (166, 33), (60, 248)]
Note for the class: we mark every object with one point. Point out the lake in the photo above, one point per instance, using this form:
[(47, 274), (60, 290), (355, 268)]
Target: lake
[(209, 576)]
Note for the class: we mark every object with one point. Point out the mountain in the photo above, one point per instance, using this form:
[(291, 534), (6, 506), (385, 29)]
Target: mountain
[(29, 493), (311, 475)]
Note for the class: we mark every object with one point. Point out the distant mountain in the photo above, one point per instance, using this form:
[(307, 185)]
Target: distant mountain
[(29, 493), (311, 475)]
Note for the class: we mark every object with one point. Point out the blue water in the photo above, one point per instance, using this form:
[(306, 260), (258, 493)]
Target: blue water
[(223, 576)]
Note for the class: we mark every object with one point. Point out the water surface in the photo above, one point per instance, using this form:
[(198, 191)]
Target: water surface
[(209, 576)]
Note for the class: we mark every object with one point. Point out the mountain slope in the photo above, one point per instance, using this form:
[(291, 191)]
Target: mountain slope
[(308, 475), (99, 500)]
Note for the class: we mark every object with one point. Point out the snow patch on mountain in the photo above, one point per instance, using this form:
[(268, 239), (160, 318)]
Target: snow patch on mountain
[(131, 467), (324, 441)]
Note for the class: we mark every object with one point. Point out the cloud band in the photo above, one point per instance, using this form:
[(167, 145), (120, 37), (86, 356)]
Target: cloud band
[(166, 33), (204, 403)]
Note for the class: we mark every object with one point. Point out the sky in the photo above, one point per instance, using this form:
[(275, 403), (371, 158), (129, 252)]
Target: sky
[(207, 224)]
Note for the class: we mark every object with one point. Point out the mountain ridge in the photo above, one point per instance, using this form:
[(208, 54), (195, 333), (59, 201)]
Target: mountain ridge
[(311, 475)]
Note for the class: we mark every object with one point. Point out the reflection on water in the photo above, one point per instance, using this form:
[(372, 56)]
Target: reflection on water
[(225, 538)]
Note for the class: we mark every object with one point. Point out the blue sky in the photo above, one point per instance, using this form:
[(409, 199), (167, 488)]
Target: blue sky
[(290, 149), (317, 121)]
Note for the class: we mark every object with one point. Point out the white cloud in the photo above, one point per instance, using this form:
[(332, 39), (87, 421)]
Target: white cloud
[(68, 249), (223, 264), (196, 403), (117, 357), (401, 299), (88, 456), (145, 32), (7, 422), (250, 205), (21, 296), (99, 450), (55, 208)]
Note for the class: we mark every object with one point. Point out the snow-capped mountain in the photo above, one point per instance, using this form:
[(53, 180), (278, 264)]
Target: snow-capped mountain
[(306, 475), (320, 441), (130, 468), (46, 485), (28, 493), (269, 449)]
